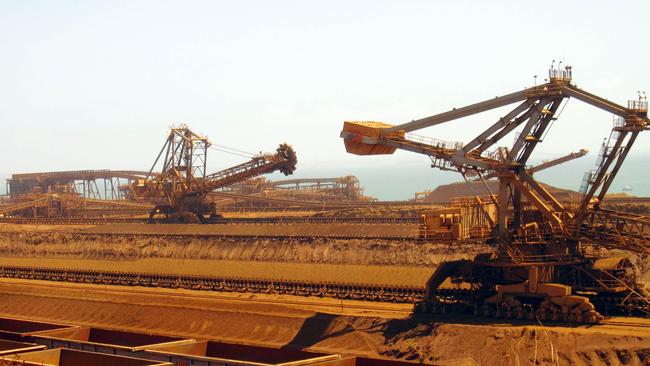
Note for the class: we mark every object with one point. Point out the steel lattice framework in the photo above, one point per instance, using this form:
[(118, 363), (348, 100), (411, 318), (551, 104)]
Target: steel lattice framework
[(540, 261), (179, 191), (534, 114)]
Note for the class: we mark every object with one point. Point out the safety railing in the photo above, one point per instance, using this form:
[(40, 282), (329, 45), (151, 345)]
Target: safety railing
[(5, 199), (442, 164), (637, 105), (560, 74), (519, 258), (469, 201), (534, 237), (498, 154), (452, 145), (619, 122)]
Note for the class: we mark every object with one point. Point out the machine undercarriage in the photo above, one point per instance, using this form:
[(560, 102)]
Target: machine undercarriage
[(579, 289)]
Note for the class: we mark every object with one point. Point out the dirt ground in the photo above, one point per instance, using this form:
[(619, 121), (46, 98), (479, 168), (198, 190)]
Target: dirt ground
[(363, 261), (331, 251), (408, 263), (250, 320), (323, 325), (301, 229), (350, 261), (362, 274)]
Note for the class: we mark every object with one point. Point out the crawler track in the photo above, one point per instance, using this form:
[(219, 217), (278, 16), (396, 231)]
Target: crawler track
[(225, 284)]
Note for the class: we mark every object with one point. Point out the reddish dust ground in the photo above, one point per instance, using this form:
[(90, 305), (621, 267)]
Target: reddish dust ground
[(458, 341), (382, 275), (325, 325), (407, 263)]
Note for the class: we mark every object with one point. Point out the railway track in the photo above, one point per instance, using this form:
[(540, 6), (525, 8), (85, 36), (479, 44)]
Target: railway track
[(222, 221), (350, 291)]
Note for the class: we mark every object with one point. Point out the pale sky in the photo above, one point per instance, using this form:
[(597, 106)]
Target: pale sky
[(96, 84)]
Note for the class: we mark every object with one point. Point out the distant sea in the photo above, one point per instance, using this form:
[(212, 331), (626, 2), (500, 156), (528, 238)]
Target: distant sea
[(389, 180), (400, 181)]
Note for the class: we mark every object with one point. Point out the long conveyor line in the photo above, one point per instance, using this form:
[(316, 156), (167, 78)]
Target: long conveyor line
[(220, 236), (395, 294), (347, 291), (238, 220)]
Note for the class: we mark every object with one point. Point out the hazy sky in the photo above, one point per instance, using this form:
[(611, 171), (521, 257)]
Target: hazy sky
[(96, 84)]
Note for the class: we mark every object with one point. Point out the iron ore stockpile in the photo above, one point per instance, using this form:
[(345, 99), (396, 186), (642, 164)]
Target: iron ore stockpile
[(176, 265)]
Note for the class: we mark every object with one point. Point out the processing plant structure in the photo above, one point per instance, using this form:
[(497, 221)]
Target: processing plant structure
[(300, 193), (544, 265), (177, 188)]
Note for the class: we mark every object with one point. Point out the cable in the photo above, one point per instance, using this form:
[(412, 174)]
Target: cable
[(232, 153), (233, 149)]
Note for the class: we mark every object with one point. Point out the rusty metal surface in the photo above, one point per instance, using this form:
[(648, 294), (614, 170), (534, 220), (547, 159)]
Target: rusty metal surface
[(179, 191), (534, 230)]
